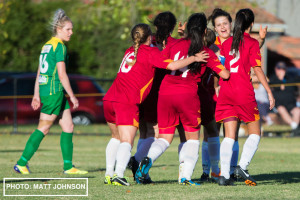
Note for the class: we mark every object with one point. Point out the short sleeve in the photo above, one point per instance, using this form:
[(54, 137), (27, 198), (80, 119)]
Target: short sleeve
[(214, 63), (60, 53), (255, 56), (158, 60)]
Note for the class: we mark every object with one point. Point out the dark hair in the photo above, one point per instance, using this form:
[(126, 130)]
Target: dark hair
[(196, 26), (139, 35), (243, 20), (210, 37), (218, 12), (165, 23)]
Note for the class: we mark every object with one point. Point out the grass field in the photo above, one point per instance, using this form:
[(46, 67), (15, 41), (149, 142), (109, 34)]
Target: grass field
[(275, 167)]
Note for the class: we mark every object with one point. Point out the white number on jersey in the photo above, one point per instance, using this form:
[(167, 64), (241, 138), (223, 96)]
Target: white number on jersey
[(43, 63), (233, 61), (124, 67), (184, 70)]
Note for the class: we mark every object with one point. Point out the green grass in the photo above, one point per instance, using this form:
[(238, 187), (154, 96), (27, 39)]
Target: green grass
[(275, 167)]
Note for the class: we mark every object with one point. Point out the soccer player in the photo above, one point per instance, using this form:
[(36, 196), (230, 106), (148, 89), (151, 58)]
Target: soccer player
[(178, 99), (236, 99), (221, 20), (50, 84), (128, 91), (164, 23)]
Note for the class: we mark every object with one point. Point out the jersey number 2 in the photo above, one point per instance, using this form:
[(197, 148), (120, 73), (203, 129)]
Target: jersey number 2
[(233, 67)]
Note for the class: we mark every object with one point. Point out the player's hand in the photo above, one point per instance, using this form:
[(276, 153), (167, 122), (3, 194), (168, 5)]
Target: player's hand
[(181, 28), (263, 32), (36, 102), (74, 102), (272, 100), (201, 57)]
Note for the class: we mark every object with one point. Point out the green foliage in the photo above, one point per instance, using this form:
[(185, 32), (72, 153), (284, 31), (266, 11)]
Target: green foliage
[(101, 31)]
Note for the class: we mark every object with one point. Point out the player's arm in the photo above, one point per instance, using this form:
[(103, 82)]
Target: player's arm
[(199, 57), (64, 79), (36, 102), (262, 78)]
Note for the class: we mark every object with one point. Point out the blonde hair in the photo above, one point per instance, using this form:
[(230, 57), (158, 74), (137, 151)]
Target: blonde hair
[(139, 35), (58, 20)]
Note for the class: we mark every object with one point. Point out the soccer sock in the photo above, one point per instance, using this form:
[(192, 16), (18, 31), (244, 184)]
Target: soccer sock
[(205, 158), (180, 152), (140, 142), (214, 153), (249, 150), (143, 150), (31, 147), (225, 156), (191, 149), (157, 148), (111, 153), (235, 156), (123, 157), (66, 146)]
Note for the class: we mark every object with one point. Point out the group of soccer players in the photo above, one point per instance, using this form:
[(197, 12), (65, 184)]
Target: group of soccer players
[(164, 83), (183, 96)]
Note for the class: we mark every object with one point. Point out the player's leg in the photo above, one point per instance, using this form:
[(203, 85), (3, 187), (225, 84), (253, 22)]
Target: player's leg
[(34, 142), (235, 153), (182, 137), (296, 116), (66, 143), (249, 114), (287, 118)]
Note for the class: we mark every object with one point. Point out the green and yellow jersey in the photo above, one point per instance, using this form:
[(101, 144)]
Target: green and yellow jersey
[(53, 51)]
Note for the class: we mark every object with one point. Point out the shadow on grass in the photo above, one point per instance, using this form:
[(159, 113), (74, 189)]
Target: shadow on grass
[(278, 177)]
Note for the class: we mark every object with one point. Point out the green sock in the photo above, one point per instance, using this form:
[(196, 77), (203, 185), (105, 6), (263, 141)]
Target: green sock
[(31, 147), (66, 145)]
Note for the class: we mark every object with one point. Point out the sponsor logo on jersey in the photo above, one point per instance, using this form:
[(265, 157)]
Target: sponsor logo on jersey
[(43, 79), (46, 48)]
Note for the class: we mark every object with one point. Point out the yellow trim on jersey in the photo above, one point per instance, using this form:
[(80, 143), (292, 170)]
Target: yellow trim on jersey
[(221, 67), (258, 62), (143, 90), (54, 42)]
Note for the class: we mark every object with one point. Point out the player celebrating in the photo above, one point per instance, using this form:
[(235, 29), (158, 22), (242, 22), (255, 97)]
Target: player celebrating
[(178, 99), (164, 23), (241, 53), (51, 80), (130, 88)]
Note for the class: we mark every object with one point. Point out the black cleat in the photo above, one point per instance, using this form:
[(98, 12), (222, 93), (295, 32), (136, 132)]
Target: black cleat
[(204, 177), (240, 173), (226, 182), (120, 181), (142, 172), (134, 165), (233, 177)]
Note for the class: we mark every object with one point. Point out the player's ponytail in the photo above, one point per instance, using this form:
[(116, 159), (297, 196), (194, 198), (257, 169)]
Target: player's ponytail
[(139, 35), (165, 23), (196, 27), (243, 20), (58, 20)]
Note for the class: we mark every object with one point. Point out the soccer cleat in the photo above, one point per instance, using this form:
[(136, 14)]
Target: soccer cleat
[(143, 169), (215, 177), (134, 165), (225, 182), (180, 171), (240, 173), (74, 170), (120, 181), (107, 180), (22, 169), (233, 177), (184, 181), (204, 177)]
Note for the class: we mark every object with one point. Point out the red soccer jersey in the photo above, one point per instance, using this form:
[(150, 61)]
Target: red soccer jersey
[(182, 81), (133, 83), (238, 89)]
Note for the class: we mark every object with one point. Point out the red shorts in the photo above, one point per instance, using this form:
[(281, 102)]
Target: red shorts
[(121, 114), (207, 105), (171, 108), (245, 112)]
